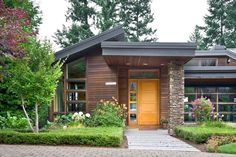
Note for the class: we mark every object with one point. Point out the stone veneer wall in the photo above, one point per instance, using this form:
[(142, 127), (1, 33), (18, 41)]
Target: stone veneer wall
[(176, 95)]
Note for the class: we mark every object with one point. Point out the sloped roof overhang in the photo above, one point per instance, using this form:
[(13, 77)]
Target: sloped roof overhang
[(93, 43)]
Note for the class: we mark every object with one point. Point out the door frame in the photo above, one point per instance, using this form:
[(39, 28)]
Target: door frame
[(135, 124)]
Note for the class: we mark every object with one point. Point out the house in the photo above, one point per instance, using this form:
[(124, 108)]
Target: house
[(156, 80)]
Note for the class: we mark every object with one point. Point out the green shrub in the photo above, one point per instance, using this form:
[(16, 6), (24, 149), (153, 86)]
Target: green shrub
[(217, 124), (83, 136), (107, 114), (200, 134), (13, 122), (228, 148), (63, 119)]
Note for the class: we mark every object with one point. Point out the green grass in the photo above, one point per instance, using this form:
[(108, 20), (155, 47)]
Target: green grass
[(228, 148), (99, 136), (200, 134)]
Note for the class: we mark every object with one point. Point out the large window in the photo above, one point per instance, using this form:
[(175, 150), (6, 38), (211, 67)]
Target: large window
[(202, 62), (223, 98), (75, 92), (71, 90)]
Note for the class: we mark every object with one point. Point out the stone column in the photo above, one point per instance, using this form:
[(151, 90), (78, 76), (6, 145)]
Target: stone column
[(176, 95)]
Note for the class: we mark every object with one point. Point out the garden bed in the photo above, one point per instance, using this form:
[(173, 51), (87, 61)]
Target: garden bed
[(200, 134), (97, 136)]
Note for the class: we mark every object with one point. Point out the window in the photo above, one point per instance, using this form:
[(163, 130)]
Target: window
[(75, 93), (223, 98), (139, 74), (59, 99), (202, 62)]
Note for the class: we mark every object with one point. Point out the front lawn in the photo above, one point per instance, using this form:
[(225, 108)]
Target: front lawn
[(200, 134), (99, 136), (228, 148)]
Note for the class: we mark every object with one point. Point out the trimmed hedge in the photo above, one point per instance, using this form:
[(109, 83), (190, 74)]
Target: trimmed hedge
[(200, 134), (58, 138)]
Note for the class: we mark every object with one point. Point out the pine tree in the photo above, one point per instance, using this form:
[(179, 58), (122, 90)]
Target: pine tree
[(108, 15), (230, 24), (215, 22), (136, 16), (80, 13), (197, 37)]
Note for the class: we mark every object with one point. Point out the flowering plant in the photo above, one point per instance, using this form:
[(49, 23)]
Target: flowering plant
[(108, 113), (202, 109), (80, 117)]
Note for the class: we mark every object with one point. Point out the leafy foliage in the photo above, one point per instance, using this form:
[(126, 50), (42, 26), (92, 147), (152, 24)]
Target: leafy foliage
[(107, 114), (32, 10), (12, 30), (33, 78), (13, 122), (110, 137)]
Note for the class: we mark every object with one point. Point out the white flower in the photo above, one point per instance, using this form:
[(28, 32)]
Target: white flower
[(222, 115), (65, 127), (80, 113), (87, 115)]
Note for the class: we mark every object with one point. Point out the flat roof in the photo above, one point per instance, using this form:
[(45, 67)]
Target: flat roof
[(165, 49), (209, 72)]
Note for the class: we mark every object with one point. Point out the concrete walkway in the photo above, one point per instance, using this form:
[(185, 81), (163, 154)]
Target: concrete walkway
[(77, 151), (155, 140)]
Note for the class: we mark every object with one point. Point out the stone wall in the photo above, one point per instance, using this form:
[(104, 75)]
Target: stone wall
[(176, 95)]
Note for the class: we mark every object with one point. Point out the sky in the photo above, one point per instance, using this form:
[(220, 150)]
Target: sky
[(174, 19)]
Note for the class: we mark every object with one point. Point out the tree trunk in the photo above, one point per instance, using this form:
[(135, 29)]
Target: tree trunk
[(36, 118), (26, 114)]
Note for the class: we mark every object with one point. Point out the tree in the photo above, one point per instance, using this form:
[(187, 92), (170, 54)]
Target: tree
[(34, 78), (12, 32), (108, 16), (215, 22), (197, 37), (33, 13), (136, 17), (80, 13), (230, 24)]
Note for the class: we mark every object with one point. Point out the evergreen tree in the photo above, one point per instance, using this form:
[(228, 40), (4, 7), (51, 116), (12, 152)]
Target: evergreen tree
[(80, 13), (108, 16), (197, 37), (136, 16), (215, 22), (230, 24)]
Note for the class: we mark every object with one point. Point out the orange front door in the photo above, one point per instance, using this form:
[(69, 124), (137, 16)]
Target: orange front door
[(144, 98), (148, 102)]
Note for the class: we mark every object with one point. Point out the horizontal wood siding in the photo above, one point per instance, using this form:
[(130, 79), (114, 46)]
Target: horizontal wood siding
[(222, 61), (164, 108), (98, 73)]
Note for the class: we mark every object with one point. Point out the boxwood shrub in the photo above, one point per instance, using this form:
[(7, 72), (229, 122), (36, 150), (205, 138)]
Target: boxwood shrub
[(57, 138), (200, 134)]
